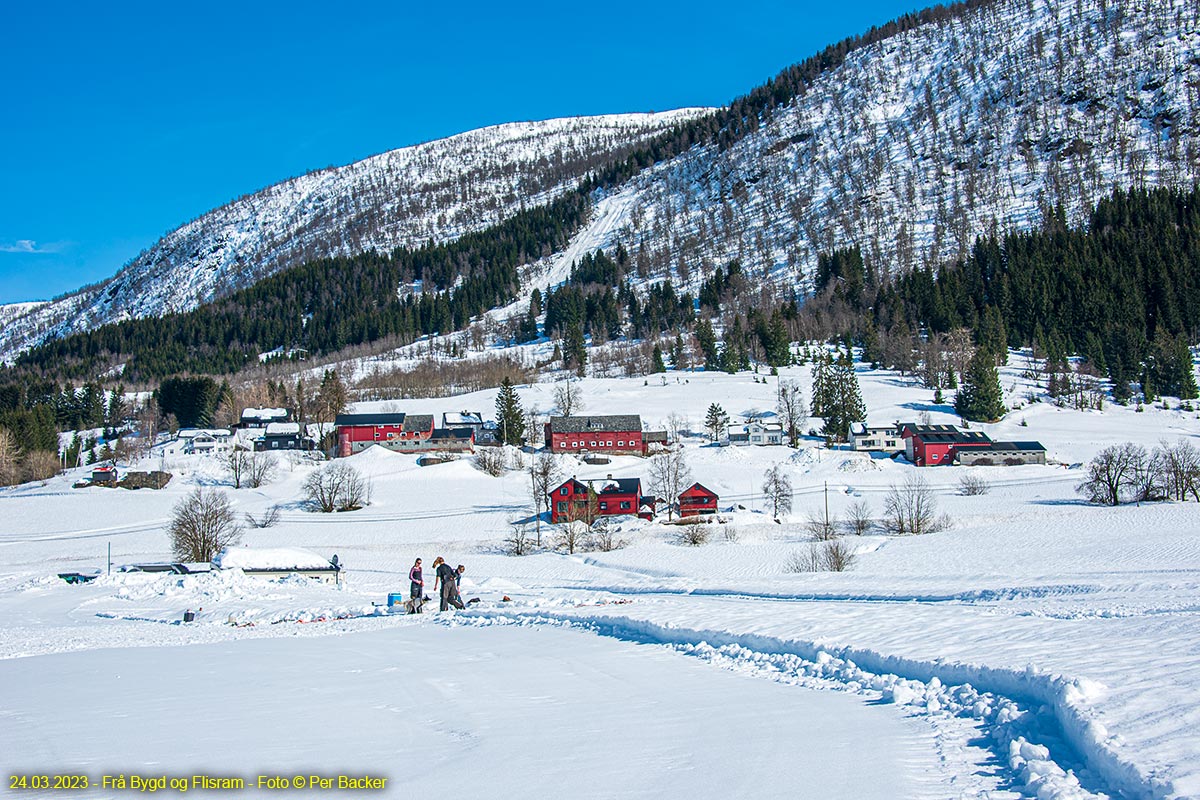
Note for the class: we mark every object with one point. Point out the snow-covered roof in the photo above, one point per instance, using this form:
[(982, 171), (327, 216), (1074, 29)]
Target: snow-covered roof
[(269, 558), (282, 428), (192, 433), (264, 413), (454, 419)]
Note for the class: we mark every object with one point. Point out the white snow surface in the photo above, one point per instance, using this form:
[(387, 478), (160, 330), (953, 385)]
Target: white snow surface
[(1039, 647)]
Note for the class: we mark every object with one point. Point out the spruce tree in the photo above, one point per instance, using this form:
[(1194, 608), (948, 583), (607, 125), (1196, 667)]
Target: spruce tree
[(715, 421), (844, 404), (980, 399), (510, 417), (656, 360)]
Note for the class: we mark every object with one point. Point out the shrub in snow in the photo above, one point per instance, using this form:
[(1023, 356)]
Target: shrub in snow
[(338, 487), (858, 518), (972, 485), (693, 534), (269, 518), (202, 525), (831, 556), (490, 460), (912, 508)]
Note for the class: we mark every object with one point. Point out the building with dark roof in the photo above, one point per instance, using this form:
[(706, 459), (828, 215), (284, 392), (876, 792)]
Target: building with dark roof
[(618, 434), (403, 433), (932, 445), (1004, 453)]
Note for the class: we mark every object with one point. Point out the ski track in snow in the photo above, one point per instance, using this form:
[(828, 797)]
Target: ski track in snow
[(1035, 722)]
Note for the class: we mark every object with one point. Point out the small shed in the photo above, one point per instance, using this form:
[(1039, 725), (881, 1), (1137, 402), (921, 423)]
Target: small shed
[(106, 475), (279, 562)]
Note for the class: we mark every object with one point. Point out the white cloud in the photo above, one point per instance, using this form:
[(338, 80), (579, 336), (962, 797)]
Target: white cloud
[(30, 246)]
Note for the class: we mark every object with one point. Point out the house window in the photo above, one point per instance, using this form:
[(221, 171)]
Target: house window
[(620, 444), (563, 491), (604, 505), (562, 508), (624, 505), (562, 444), (275, 444), (933, 457), (593, 444)]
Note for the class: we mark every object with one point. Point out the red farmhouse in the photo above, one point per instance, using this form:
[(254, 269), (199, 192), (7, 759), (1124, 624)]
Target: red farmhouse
[(696, 499), (575, 500), (932, 445), (399, 432), (618, 434)]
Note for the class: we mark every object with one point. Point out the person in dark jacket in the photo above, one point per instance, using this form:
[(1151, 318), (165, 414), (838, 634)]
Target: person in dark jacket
[(416, 589), (448, 577)]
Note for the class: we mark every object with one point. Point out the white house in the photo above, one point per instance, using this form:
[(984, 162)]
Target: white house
[(755, 432), (878, 439), (206, 440)]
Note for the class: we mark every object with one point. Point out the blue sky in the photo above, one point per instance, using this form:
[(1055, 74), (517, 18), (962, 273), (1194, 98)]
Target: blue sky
[(123, 121)]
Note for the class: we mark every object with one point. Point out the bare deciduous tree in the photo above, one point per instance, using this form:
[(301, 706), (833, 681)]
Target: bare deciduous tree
[(912, 508), (544, 475), (777, 486), (10, 458), (338, 487), (41, 465), (693, 534), (262, 469), (1112, 475), (669, 475), (822, 525), (834, 555), (202, 525), (568, 397), (1181, 470), (791, 408), (237, 464), (858, 518)]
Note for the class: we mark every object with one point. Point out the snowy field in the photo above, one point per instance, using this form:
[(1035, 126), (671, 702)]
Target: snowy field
[(1038, 647)]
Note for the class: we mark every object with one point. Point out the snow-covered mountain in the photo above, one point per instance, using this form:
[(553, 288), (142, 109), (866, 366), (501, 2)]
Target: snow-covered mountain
[(433, 191), (977, 121), (919, 143)]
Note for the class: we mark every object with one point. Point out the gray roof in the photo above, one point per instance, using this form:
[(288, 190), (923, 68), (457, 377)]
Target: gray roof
[(418, 422), (620, 486), (463, 434), (588, 424), (369, 419), (1031, 446)]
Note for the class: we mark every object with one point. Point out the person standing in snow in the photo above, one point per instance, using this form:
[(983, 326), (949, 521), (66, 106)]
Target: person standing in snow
[(416, 587), (456, 597), (448, 579)]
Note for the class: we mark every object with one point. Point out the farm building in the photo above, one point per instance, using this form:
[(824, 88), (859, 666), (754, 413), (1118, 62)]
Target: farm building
[(697, 499), (932, 445), (1004, 453), (206, 440), (619, 434), (282, 436), (403, 433)]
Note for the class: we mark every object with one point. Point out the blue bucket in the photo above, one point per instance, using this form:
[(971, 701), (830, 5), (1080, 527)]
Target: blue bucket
[(396, 599)]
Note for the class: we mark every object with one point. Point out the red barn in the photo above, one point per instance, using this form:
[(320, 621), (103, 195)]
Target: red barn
[(575, 500), (620, 434), (400, 432), (931, 445), (697, 499)]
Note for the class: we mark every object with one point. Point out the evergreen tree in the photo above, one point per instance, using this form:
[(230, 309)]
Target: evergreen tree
[(844, 404), (574, 349), (510, 417), (715, 421), (980, 399), (656, 360)]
